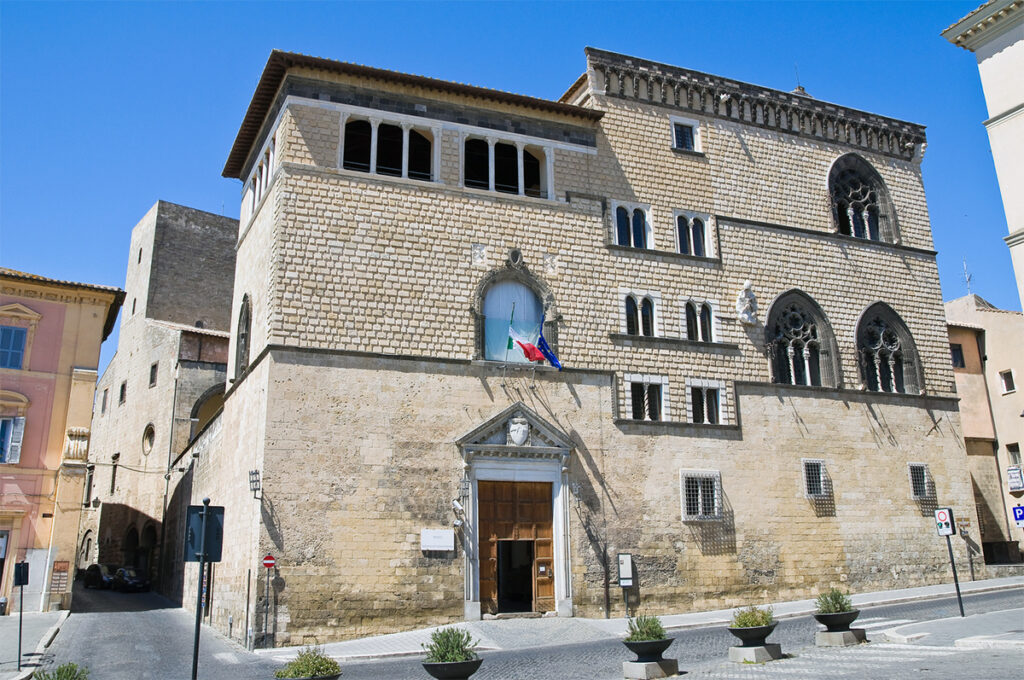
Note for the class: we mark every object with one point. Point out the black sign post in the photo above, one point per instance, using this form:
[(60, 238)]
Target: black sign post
[(945, 525), (204, 538), (21, 579)]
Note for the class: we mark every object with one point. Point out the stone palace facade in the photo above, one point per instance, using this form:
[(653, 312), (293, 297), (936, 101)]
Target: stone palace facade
[(756, 399)]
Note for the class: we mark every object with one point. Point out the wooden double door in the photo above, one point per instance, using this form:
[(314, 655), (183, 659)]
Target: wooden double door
[(516, 547)]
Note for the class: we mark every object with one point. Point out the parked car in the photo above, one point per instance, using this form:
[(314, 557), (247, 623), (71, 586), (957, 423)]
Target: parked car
[(99, 576), (129, 580)]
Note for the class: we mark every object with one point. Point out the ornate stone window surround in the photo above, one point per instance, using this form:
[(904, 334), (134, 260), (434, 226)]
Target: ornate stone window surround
[(868, 201), (630, 207), (689, 215), (724, 406), (514, 271), (698, 144), (20, 316), (716, 324), (887, 353), (829, 373), (639, 295), (630, 378)]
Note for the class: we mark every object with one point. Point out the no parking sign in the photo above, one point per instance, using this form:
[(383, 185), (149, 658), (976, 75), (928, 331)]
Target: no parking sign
[(944, 523)]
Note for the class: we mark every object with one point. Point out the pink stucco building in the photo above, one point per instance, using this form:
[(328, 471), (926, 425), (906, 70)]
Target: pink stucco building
[(50, 336)]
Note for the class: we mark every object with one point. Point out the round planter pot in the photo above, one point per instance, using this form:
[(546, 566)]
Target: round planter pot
[(453, 670), (754, 636), (838, 622), (648, 650), (323, 677)]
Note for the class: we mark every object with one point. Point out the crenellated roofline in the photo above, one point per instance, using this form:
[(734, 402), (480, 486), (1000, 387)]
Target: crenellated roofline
[(621, 76)]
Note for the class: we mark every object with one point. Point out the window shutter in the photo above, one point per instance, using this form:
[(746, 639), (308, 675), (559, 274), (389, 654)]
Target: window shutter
[(14, 453)]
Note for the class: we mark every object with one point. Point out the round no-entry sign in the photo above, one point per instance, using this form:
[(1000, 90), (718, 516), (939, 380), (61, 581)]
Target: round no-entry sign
[(269, 561)]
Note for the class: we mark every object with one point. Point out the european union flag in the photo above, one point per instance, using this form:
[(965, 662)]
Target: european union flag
[(545, 349)]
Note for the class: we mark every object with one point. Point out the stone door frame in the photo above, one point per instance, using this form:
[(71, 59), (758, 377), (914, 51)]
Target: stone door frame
[(489, 455)]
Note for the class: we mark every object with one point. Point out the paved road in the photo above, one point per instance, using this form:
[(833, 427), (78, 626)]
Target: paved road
[(153, 641), (143, 636)]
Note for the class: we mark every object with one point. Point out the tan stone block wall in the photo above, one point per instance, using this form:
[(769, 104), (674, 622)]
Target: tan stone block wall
[(375, 447), (225, 452), (347, 240)]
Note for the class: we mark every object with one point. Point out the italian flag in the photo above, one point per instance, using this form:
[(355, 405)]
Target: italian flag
[(529, 349)]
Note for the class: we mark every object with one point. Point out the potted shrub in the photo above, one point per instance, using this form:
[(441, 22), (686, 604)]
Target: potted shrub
[(835, 610), (450, 654), (310, 664), (752, 625), (647, 638)]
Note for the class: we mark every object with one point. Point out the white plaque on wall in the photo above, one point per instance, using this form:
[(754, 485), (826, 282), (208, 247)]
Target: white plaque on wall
[(437, 539)]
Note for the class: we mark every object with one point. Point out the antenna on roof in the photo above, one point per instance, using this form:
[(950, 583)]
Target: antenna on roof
[(799, 89), (967, 277)]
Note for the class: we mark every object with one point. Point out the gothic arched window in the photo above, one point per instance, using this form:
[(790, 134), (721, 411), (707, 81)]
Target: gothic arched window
[(800, 342), (886, 351), (242, 337), (860, 201), (691, 322), (511, 310)]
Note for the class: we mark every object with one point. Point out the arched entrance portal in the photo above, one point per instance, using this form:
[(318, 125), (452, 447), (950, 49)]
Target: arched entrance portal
[(130, 548), (145, 560), (516, 505)]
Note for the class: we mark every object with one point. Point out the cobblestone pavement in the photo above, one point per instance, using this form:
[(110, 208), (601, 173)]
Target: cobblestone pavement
[(157, 643)]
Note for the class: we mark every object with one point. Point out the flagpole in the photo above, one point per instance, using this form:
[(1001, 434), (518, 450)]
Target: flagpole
[(508, 342)]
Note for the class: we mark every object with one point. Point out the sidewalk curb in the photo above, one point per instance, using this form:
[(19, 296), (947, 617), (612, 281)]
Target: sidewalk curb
[(44, 642), (866, 603), (899, 638), (987, 642)]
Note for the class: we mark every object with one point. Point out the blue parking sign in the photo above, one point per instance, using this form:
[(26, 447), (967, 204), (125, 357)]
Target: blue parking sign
[(1018, 515)]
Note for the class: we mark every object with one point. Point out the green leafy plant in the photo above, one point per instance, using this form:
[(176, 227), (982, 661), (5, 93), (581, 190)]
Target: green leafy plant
[(834, 601), (310, 663), (449, 645), (67, 671), (645, 628), (749, 617)]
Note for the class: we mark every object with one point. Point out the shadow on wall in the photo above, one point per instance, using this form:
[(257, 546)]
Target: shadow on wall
[(171, 581), (716, 536), (129, 538)]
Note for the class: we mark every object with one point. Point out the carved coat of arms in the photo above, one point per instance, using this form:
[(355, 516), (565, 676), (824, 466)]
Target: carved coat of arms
[(518, 431)]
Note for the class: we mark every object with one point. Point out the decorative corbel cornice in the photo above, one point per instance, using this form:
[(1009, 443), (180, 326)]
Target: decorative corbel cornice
[(619, 76)]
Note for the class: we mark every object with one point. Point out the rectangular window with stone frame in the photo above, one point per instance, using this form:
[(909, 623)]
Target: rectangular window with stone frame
[(815, 478), (704, 405), (12, 431), (921, 487), (701, 492), (646, 401)]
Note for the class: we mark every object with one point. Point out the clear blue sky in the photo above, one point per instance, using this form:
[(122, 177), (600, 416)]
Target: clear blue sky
[(107, 107)]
